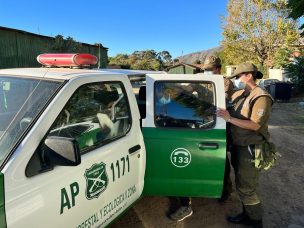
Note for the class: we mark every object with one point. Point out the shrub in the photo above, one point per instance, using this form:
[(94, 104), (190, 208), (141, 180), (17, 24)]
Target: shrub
[(295, 71)]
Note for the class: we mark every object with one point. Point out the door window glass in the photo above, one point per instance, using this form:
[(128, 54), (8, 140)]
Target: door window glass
[(96, 114), (184, 105)]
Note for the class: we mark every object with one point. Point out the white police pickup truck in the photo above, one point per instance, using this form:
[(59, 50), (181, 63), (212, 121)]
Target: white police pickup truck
[(77, 148)]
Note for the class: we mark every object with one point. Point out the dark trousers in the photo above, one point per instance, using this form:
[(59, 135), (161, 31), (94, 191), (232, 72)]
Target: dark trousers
[(227, 185), (246, 181)]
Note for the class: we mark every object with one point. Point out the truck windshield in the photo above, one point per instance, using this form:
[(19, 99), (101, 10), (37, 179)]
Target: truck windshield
[(21, 100)]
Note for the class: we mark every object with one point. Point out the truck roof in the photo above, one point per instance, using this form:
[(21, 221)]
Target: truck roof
[(67, 73)]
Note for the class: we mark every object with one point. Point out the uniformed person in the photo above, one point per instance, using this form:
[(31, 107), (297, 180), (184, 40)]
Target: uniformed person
[(249, 127), (212, 65)]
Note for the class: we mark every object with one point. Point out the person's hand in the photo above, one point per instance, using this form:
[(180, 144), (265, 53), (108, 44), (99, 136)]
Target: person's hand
[(223, 113)]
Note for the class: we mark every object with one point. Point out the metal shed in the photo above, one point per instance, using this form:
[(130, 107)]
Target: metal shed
[(184, 68), (20, 48)]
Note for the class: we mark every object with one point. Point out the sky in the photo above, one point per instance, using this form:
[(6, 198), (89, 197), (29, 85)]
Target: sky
[(123, 26)]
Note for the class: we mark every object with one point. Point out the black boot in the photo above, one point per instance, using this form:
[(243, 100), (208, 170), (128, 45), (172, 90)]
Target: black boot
[(255, 223), (240, 218), (244, 219)]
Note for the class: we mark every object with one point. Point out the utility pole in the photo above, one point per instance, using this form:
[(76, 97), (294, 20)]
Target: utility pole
[(98, 55)]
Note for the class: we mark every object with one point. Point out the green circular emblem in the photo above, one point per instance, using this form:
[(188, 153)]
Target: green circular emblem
[(180, 157)]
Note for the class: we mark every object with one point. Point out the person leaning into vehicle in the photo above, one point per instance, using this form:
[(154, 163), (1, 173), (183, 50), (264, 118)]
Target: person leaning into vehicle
[(249, 129), (213, 65)]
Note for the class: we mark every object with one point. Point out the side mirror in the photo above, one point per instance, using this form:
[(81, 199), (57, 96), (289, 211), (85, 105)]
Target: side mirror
[(59, 151)]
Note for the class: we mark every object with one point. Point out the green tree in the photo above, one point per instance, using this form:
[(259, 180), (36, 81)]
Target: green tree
[(295, 71), (297, 11), (146, 64), (165, 58), (282, 57), (68, 45), (143, 60), (175, 61), (121, 60), (224, 62), (256, 30)]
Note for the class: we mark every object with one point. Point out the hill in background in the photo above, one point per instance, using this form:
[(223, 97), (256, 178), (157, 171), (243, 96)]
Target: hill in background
[(200, 55)]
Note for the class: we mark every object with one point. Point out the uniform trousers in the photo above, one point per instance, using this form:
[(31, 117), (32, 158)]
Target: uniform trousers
[(246, 180)]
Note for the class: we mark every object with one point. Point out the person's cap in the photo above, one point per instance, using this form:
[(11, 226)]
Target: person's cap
[(246, 67), (211, 61)]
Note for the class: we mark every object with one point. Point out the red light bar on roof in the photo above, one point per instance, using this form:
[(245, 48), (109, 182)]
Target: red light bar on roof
[(67, 60)]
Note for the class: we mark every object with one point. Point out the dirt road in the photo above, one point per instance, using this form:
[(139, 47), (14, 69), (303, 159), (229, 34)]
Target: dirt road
[(281, 188)]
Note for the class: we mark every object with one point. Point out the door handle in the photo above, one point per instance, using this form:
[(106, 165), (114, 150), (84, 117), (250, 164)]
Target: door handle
[(134, 149), (207, 145)]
